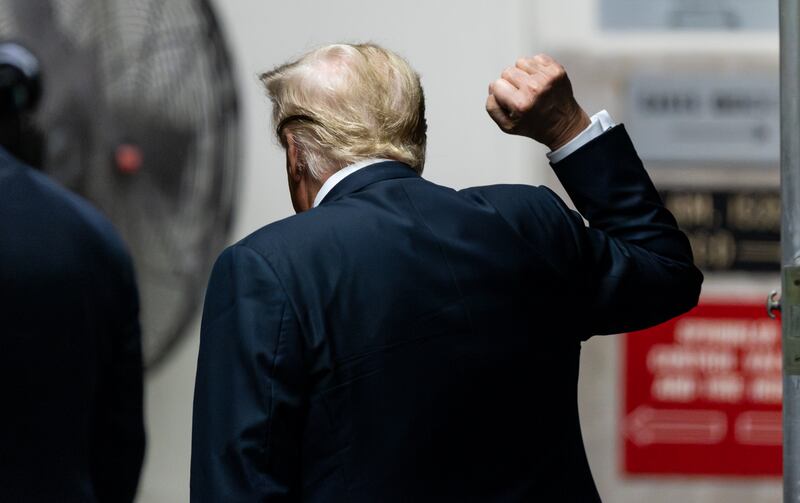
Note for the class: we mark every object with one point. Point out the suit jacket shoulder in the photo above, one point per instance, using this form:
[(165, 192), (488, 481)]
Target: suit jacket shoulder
[(31, 197)]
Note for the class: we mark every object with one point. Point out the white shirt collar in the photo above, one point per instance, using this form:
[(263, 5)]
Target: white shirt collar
[(340, 175)]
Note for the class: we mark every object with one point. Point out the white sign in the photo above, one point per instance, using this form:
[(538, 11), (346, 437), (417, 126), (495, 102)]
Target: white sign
[(732, 118), (689, 14)]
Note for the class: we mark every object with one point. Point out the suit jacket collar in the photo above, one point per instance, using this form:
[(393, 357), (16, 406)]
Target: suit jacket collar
[(378, 172)]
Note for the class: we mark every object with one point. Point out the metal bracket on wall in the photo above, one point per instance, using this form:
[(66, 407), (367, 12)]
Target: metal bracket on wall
[(790, 310), (773, 304)]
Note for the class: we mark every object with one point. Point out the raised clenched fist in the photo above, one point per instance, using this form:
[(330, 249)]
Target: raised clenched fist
[(534, 99)]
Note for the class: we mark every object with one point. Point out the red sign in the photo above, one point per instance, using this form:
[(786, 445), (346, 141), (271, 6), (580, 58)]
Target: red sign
[(703, 394)]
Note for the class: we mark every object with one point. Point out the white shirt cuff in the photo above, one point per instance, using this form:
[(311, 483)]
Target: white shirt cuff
[(601, 122)]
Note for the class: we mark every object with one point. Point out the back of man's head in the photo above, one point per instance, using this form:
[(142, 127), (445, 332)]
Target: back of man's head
[(347, 103), (20, 90)]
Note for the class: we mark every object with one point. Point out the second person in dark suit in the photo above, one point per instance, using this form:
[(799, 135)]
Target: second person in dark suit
[(72, 424)]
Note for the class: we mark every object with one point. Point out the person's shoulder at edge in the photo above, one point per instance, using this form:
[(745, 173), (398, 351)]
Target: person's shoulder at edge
[(64, 207)]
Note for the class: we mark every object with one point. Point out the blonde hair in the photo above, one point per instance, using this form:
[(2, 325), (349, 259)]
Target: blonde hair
[(345, 103)]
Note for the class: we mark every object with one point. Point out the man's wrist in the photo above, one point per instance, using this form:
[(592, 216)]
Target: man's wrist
[(578, 122), (600, 123)]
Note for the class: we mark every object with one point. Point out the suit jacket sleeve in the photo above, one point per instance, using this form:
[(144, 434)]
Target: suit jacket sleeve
[(249, 401), (631, 267), (118, 436)]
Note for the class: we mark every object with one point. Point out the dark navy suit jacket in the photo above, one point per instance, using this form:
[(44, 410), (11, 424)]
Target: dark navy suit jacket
[(71, 425), (406, 342)]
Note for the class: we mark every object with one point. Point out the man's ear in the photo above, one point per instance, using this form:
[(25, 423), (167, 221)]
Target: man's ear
[(293, 161)]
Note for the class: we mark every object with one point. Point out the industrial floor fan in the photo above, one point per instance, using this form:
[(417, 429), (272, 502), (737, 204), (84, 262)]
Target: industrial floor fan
[(140, 115)]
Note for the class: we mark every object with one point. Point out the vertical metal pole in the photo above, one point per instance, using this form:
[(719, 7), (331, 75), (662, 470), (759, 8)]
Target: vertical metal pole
[(790, 244)]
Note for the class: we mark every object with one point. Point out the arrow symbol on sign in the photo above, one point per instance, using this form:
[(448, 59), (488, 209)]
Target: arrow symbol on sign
[(646, 426), (759, 428)]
